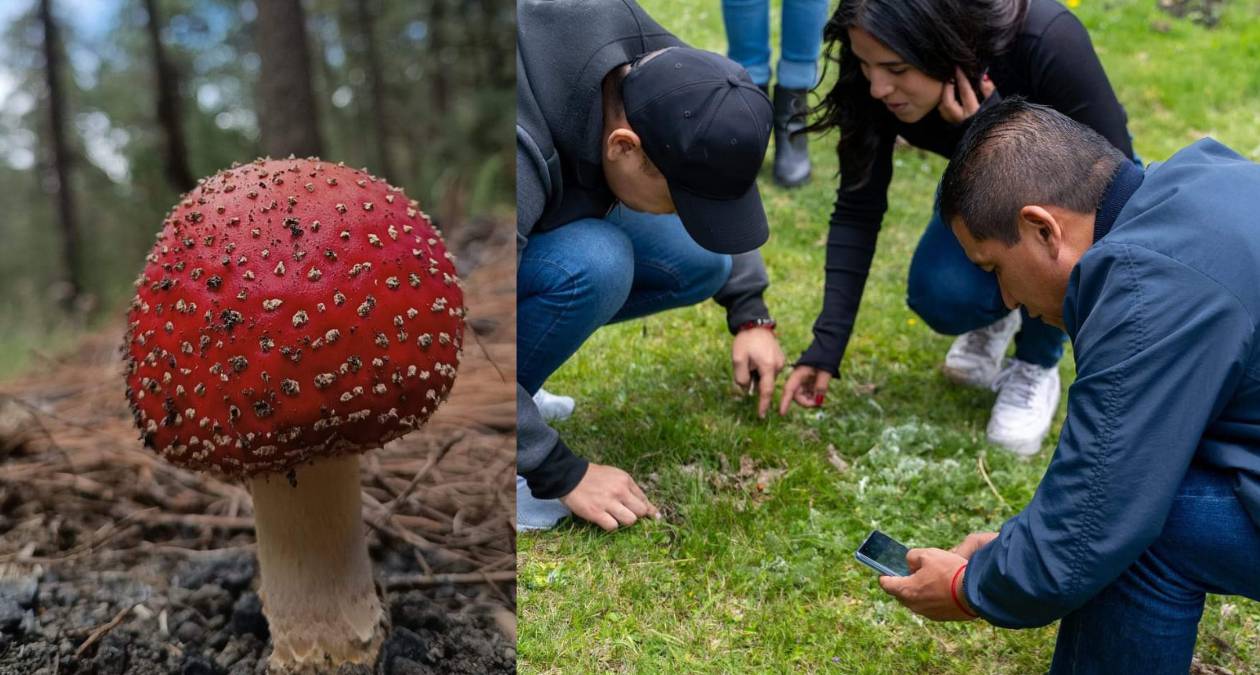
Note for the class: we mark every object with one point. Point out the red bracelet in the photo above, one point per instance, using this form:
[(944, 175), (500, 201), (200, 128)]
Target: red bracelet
[(953, 592)]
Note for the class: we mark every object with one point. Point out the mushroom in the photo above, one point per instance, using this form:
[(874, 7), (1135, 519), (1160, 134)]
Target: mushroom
[(293, 314)]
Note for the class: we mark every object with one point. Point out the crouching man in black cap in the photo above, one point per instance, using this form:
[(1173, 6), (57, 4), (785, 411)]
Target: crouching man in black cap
[(637, 159)]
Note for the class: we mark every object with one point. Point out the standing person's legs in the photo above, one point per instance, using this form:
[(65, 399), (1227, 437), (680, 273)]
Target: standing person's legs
[(1147, 620), (670, 269), (748, 36), (955, 297), (570, 281), (801, 43)]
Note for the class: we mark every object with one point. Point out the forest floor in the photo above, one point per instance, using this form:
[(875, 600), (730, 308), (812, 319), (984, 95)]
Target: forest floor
[(114, 561)]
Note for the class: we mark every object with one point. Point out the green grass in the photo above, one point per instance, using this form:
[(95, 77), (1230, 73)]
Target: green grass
[(742, 581), (34, 329)]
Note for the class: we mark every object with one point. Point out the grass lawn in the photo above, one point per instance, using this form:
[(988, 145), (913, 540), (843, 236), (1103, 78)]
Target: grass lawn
[(753, 571)]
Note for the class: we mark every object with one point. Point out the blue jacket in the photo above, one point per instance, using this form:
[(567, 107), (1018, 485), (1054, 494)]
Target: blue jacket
[(1162, 311)]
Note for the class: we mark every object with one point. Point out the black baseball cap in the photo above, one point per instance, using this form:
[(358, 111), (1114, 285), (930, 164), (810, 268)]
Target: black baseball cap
[(705, 125)]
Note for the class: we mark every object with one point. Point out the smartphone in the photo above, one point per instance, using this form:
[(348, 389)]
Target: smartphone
[(883, 554)]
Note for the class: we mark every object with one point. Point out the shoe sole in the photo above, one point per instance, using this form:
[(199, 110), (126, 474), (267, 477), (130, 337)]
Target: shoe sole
[(1023, 449), (539, 528), (550, 417), (960, 377), (794, 183)]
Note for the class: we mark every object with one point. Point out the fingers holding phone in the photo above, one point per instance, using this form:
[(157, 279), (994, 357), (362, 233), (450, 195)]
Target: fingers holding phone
[(925, 580), (972, 543), (932, 589)]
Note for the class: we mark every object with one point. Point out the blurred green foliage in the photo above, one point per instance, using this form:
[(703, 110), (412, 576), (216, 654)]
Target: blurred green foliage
[(447, 104)]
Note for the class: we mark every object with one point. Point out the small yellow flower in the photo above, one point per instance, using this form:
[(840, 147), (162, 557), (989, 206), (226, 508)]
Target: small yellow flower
[(1073, 3), (911, 321)]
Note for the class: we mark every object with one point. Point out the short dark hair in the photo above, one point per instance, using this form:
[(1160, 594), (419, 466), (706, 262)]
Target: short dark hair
[(1018, 153), (614, 105)]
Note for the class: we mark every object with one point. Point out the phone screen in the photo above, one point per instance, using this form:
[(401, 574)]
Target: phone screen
[(887, 554)]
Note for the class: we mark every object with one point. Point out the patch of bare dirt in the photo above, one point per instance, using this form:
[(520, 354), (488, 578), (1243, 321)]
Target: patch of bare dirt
[(1203, 12)]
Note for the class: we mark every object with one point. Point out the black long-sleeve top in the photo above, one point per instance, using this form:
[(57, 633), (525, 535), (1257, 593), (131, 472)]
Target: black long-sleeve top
[(1051, 62)]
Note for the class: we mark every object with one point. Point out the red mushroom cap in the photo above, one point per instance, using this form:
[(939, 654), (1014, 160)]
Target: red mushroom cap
[(290, 309)]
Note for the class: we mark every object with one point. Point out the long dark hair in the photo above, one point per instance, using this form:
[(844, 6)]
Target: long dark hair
[(931, 35)]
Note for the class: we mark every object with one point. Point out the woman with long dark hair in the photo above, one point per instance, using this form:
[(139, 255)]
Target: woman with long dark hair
[(919, 69)]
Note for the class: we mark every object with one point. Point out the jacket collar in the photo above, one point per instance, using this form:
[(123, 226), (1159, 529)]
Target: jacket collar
[(1124, 182)]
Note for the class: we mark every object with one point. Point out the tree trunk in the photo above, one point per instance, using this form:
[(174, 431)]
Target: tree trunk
[(286, 100), (376, 89), (437, 44), (175, 153), (324, 82), (57, 181)]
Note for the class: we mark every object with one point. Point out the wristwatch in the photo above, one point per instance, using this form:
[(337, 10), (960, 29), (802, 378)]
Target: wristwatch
[(757, 323)]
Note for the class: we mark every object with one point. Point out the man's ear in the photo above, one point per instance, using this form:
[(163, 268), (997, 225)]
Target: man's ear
[(1042, 228), (620, 143)]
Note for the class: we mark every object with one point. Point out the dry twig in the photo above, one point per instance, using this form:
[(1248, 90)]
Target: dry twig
[(102, 630), (985, 474)]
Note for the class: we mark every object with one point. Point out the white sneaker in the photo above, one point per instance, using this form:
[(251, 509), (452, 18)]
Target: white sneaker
[(1028, 396), (553, 408), (976, 357)]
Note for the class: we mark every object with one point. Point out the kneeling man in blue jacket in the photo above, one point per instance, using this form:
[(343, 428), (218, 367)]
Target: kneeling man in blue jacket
[(1152, 498)]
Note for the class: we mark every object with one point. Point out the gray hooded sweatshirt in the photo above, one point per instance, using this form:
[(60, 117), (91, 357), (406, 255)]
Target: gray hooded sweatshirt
[(564, 48)]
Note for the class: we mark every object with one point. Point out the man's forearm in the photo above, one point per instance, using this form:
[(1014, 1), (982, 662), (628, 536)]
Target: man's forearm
[(547, 464), (742, 295), (560, 472)]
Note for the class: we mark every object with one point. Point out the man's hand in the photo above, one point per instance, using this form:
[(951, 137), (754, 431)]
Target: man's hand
[(807, 386), (608, 497), (927, 590), (756, 350), (974, 542), (958, 101)]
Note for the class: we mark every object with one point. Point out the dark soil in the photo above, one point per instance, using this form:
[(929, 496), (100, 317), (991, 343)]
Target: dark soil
[(201, 616), (115, 562)]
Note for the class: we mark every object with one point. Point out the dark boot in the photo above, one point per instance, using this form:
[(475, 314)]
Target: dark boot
[(791, 150)]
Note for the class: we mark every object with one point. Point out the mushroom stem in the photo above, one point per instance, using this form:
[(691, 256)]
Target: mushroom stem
[(317, 589)]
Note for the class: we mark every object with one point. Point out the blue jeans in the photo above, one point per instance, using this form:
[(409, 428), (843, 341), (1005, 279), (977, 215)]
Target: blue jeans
[(748, 37), (596, 271), (1147, 620), (953, 296)]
